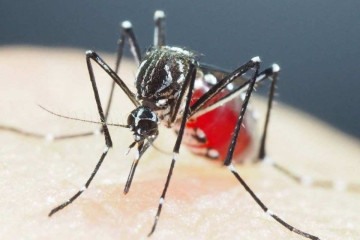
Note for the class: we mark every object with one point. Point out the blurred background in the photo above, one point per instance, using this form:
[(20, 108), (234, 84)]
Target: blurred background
[(316, 43)]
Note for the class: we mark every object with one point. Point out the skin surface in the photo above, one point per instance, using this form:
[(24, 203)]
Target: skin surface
[(204, 200)]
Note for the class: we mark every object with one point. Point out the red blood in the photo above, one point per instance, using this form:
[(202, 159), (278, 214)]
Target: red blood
[(217, 126)]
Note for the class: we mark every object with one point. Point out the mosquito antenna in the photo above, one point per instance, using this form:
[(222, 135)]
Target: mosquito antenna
[(82, 120)]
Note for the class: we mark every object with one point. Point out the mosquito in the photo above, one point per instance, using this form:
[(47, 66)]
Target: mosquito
[(167, 84)]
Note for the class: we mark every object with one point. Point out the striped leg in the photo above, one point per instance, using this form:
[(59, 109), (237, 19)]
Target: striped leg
[(228, 161), (93, 56), (127, 34), (274, 76), (192, 74)]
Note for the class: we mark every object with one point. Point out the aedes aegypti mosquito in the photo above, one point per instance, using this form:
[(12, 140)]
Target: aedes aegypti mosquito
[(166, 83)]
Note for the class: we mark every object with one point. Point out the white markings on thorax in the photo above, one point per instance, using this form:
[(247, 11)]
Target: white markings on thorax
[(180, 50), (153, 68), (161, 102), (140, 67), (168, 73), (181, 70)]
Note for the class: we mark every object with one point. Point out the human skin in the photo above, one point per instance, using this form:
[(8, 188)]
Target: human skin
[(204, 200)]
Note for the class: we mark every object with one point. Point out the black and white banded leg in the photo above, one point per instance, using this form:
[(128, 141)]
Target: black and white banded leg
[(93, 56), (127, 33), (228, 160), (242, 85), (198, 106), (58, 208), (308, 181), (191, 76), (187, 112), (273, 73)]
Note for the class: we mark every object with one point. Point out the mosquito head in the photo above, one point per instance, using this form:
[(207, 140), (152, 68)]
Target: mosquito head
[(143, 122)]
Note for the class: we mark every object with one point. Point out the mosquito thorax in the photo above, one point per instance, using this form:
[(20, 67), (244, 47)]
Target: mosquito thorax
[(162, 75), (143, 122)]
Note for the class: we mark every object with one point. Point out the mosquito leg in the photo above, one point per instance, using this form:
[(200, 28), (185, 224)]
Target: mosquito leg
[(63, 205), (240, 88), (94, 56), (274, 76), (265, 209), (221, 85), (133, 166), (228, 160), (159, 32), (127, 33), (140, 151), (191, 76), (250, 89), (242, 84), (108, 141)]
